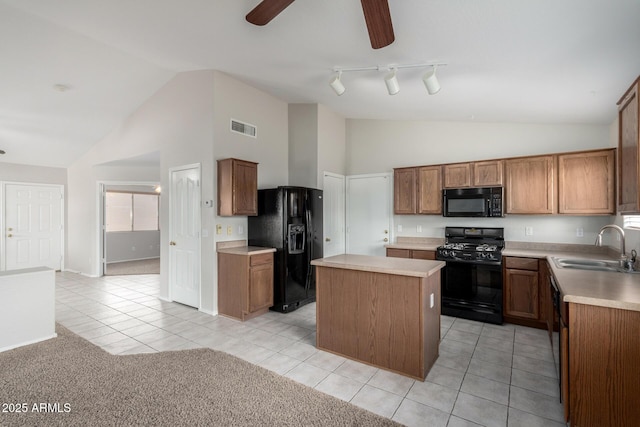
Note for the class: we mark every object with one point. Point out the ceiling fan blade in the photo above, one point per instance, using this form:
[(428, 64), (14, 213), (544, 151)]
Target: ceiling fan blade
[(263, 13), (378, 19)]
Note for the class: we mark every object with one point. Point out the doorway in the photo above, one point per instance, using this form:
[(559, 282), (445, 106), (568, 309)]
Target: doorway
[(368, 208), (127, 248)]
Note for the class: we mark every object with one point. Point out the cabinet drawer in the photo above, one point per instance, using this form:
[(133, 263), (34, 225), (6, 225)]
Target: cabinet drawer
[(260, 259), (522, 263)]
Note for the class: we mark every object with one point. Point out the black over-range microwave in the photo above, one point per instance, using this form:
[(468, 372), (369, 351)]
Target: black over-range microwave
[(472, 202)]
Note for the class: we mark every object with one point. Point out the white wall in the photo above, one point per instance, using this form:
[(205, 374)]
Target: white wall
[(317, 144), (303, 145), (379, 146), (176, 121), (234, 99), (187, 121), (33, 174), (332, 144)]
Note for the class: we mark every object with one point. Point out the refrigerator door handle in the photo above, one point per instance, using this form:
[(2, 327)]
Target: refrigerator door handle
[(309, 248)]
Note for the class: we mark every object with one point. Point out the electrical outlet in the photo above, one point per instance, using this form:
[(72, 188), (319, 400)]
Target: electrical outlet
[(419, 229), (240, 229), (229, 230), (399, 228), (218, 229), (579, 232), (528, 231)]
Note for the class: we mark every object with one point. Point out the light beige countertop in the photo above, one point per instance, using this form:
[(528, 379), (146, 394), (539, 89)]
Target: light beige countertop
[(245, 250), (380, 264), (599, 288)]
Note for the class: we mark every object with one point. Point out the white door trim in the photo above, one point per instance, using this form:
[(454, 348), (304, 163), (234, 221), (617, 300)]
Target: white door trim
[(342, 213), (63, 219)]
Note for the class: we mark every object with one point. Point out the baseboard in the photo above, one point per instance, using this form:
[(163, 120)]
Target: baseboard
[(11, 347)]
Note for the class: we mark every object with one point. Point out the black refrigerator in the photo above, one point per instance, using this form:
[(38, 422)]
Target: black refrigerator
[(290, 220)]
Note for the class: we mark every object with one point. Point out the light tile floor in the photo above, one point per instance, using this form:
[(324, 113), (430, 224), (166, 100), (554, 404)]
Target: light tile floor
[(486, 375)]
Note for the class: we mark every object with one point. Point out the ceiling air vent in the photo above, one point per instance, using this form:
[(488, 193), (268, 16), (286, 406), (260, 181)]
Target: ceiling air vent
[(243, 128)]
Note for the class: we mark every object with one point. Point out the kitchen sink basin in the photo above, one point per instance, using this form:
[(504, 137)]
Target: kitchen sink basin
[(590, 264)]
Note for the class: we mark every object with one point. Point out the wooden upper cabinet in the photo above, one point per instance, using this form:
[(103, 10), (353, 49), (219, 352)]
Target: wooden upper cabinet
[(430, 190), (488, 174), (474, 174), (237, 187), (457, 175), (586, 183), (530, 185), (404, 191), (628, 157)]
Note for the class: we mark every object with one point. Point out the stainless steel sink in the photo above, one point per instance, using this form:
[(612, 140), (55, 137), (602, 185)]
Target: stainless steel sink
[(590, 264)]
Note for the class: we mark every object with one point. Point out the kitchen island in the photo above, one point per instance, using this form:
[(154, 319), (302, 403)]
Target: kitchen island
[(381, 311)]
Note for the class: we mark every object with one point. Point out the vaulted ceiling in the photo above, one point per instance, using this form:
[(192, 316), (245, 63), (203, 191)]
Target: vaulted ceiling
[(73, 70)]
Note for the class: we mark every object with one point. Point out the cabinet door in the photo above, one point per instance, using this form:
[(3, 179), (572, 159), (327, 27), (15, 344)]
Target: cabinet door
[(398, 253), (629, 138), (420, 254), (404, 191), (530, 186), (586, 183), (245, 188), (430, 190), (457, 175), (521, 294), (488, 174), (260, 293)]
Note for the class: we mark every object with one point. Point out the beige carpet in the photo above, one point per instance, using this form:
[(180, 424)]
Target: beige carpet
[(85, 385), (143, 266)]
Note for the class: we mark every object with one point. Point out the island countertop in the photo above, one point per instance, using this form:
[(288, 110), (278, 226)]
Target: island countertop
[(380, 264)]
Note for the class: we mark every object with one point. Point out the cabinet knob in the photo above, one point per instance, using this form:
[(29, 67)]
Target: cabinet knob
[(386, 240), (172, 243)]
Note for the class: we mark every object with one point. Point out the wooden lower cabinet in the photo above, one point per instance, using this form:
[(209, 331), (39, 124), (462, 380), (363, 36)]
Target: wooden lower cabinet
[(604, 373), (525, 291), (386, 320), (245, 284), (411, 253)]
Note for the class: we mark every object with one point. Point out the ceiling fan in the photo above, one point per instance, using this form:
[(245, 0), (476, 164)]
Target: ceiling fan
[(376, 15)]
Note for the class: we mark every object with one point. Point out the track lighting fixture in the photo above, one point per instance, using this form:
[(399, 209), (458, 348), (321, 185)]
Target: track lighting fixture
[(431, 81), (391, 80), (336, 84)]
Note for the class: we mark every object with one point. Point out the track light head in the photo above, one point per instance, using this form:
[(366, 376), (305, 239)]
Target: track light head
[(336, 84), (431, 81), (392, 82)]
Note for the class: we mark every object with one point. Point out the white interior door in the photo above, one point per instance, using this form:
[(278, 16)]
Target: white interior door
[(33, 226), (369, 220), (334, 214), (184, 236)]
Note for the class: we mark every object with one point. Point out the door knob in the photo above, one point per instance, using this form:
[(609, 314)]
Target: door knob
[(9, 235), (327, 239), (10, 229), (172, 243), (386, 240)]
